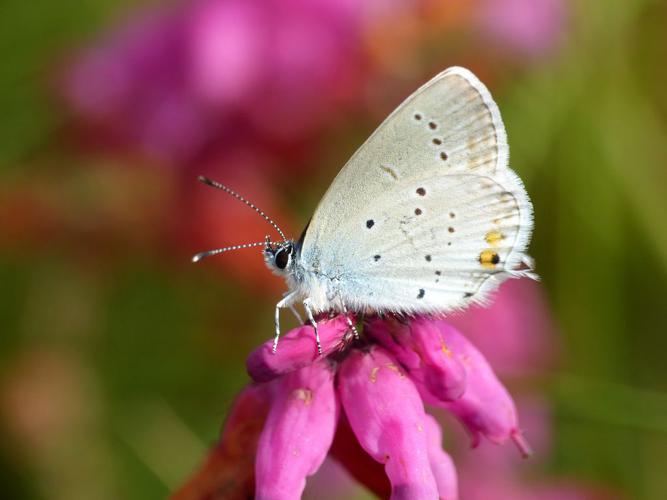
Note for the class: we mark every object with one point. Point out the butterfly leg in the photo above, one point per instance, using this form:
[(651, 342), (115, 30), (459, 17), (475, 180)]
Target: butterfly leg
[(293, 309), (309, 312), (286, 301), (349, 322), (296, 314)]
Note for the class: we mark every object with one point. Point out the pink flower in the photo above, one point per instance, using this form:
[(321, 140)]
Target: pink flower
[(179, 82), (133, 89), (378, 384), (362, 403), (530, 27)]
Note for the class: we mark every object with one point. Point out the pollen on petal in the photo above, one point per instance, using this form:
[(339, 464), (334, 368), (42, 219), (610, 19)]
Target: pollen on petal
[(374, 373), (305, 395), (395, 368)]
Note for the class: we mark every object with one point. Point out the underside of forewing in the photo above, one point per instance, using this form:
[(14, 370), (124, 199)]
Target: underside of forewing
[(426, 215)]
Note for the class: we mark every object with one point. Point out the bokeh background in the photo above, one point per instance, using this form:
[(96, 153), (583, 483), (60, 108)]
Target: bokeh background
[(119, 359)]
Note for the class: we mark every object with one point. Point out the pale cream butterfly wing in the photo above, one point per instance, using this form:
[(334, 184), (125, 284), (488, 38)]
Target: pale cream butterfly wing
[(426, 216)]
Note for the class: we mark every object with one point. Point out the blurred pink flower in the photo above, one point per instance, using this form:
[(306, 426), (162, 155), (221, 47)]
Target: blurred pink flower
[(530, 27), (500, 488), (176, 82), (133, 88), (516, 331)]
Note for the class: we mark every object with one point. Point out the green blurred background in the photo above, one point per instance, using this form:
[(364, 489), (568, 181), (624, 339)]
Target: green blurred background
[(119, 359)]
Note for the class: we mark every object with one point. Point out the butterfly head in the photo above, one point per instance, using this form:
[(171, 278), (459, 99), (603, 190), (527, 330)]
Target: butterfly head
[(279, 257)]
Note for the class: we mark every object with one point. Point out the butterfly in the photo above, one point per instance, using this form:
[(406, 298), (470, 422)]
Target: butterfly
[(425, 218)]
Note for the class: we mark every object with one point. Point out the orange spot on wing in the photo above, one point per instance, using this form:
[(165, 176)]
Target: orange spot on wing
[(494, 237), (489, 259)]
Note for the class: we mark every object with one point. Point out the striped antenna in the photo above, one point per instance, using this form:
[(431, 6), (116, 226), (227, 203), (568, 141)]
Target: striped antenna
[(222, 187), (209, 253)]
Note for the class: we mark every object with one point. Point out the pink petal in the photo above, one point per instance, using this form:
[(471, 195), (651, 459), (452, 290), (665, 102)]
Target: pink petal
[(486, 408), (296, 349), (441, 463), (387, 416), (298, 432), (420, 348)]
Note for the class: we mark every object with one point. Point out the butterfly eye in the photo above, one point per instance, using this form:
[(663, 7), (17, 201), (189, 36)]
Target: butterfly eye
[(281, 258)]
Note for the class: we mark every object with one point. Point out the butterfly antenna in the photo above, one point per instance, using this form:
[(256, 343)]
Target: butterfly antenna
[(222, 187), (209, 253)]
